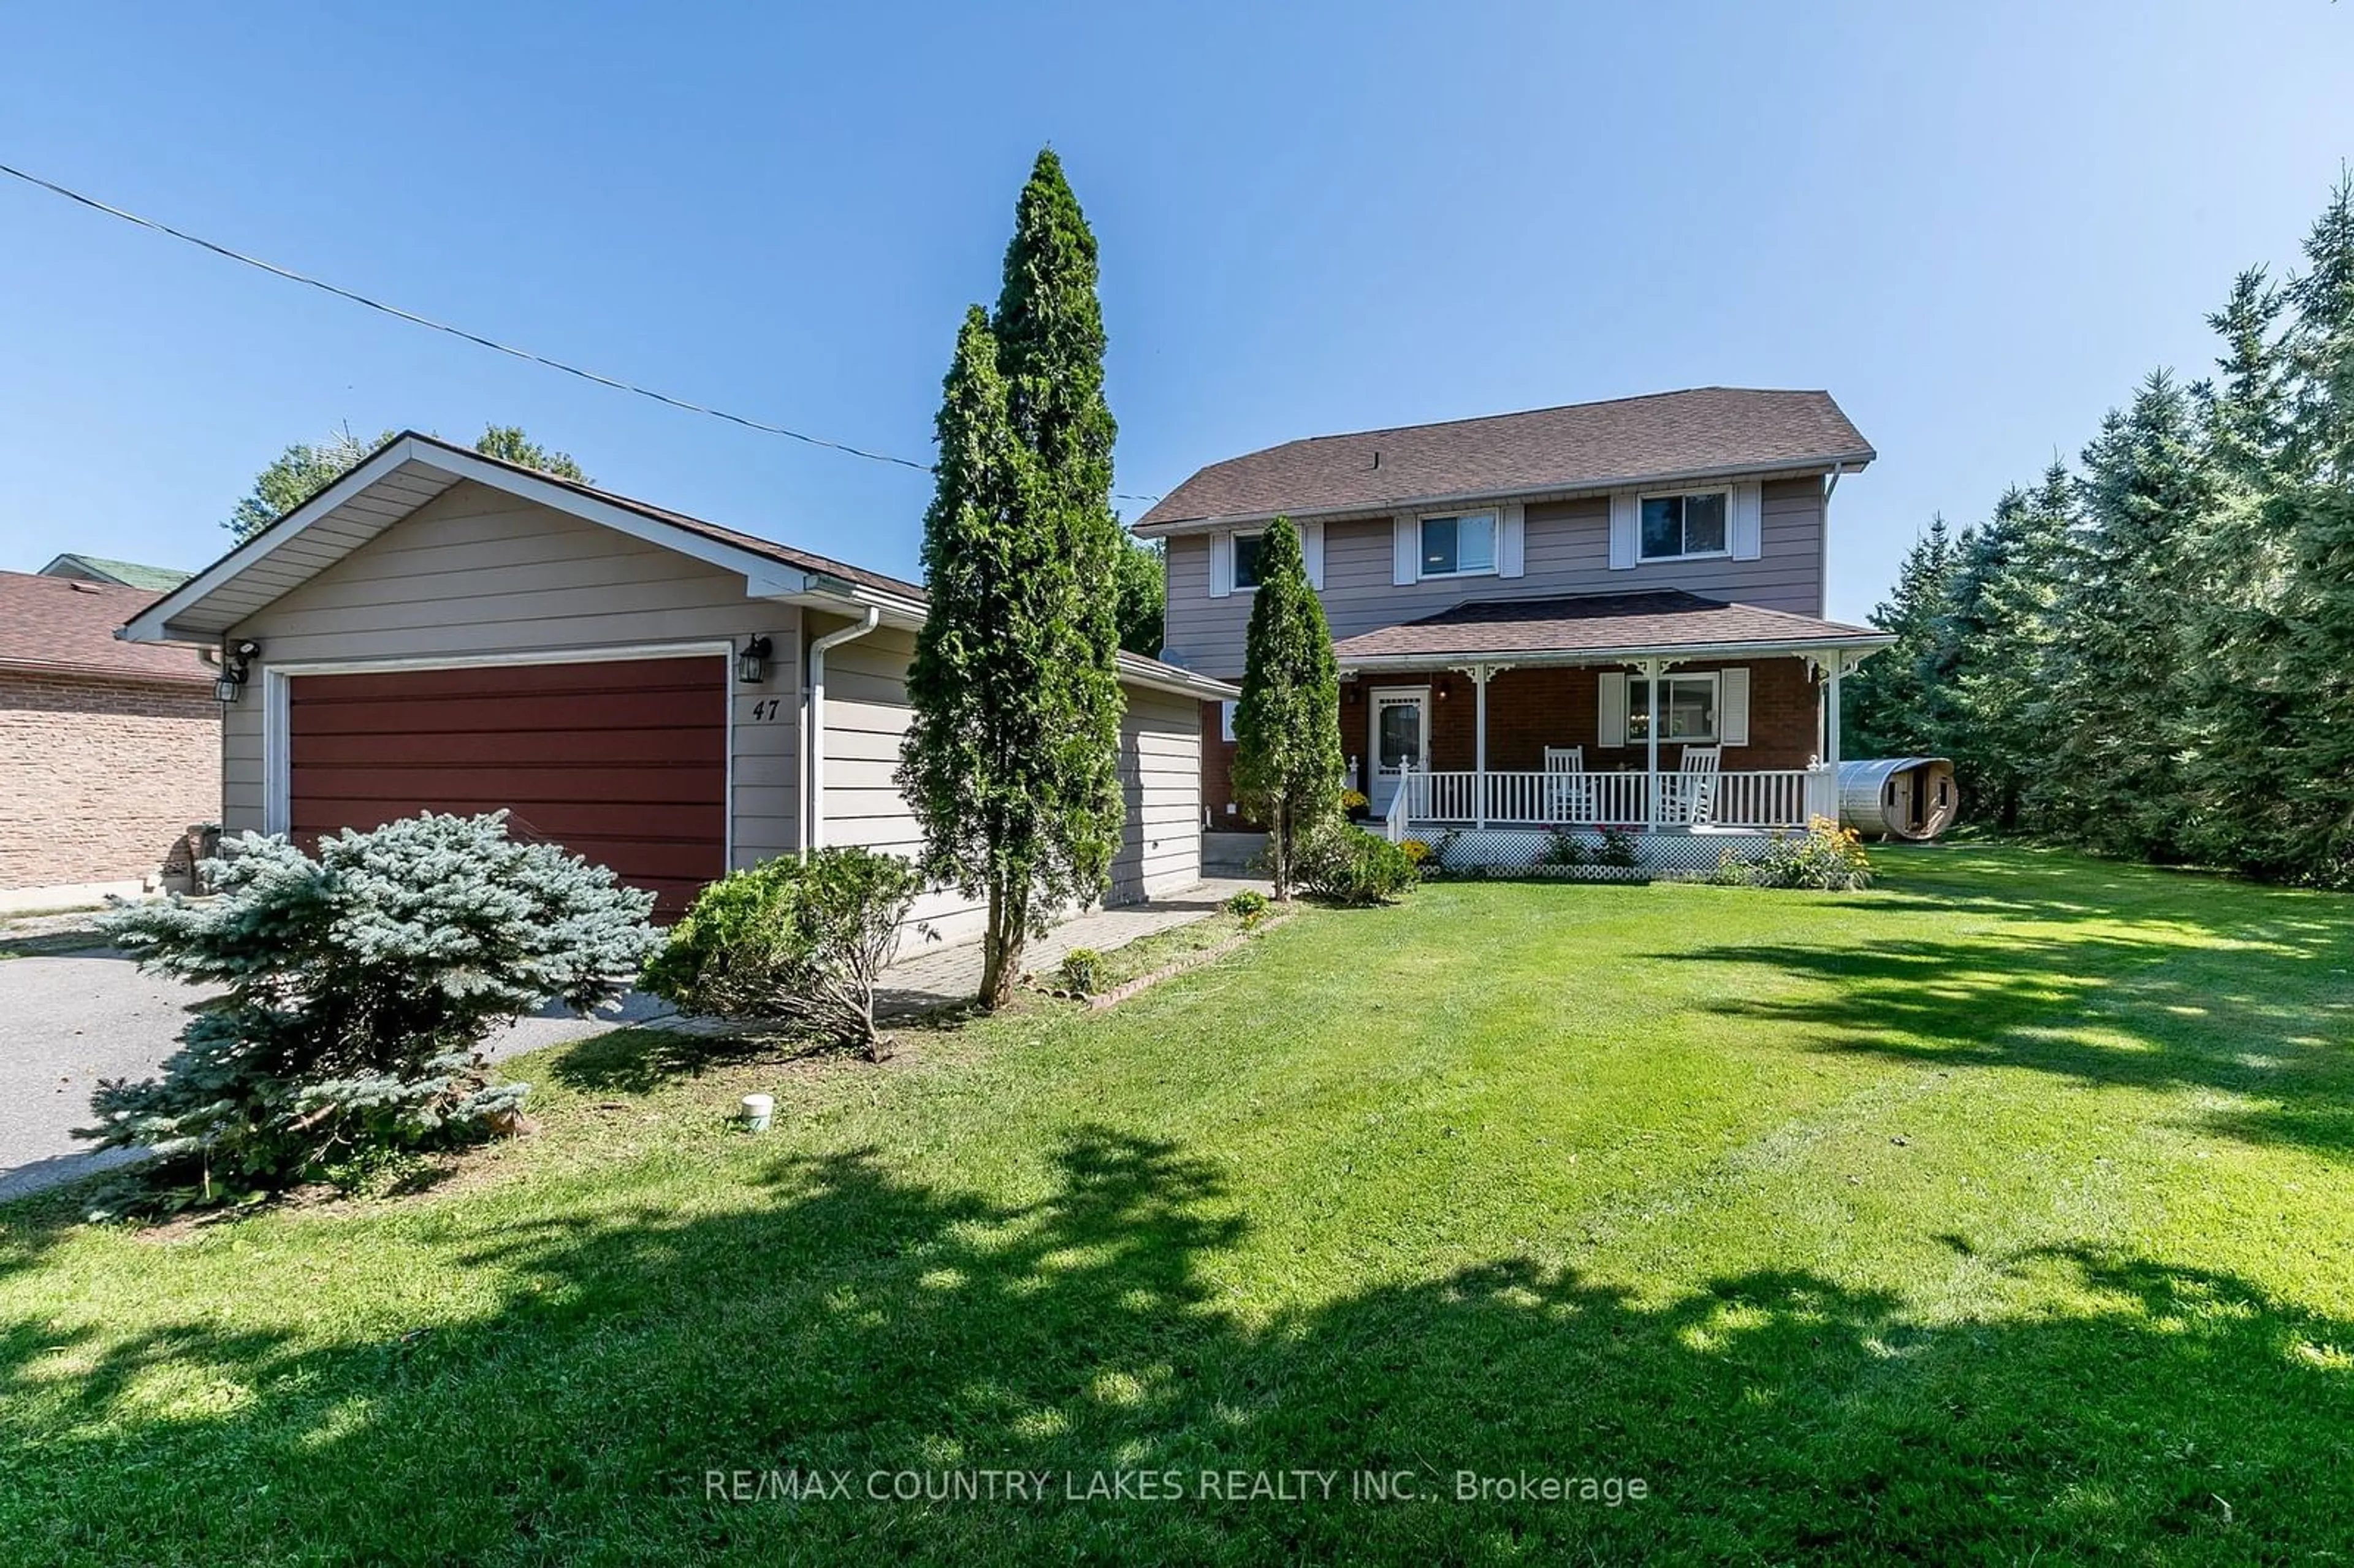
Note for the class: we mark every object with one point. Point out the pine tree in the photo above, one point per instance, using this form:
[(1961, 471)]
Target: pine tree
[(1287, 771), (1885, 713)]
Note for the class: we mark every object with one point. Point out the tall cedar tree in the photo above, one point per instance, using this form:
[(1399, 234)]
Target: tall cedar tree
[(1287, 724), (980, 754), (1012, 758)]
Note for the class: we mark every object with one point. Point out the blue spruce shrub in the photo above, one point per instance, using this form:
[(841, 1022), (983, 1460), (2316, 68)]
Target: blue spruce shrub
[(360, 986)]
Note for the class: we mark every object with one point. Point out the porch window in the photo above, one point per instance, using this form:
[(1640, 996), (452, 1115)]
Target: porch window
[(1687, 708), (1688, 524), (1460, 546), (1247, 560)]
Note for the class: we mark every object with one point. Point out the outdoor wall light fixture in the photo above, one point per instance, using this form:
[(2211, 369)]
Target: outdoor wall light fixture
[(752, 665), (237, 663)]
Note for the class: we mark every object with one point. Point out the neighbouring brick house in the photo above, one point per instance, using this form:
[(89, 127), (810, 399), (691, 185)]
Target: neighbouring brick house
[(1603, 616), (110, 751)]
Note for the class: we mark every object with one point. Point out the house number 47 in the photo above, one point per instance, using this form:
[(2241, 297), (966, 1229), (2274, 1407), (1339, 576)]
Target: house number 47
[(767, 708)]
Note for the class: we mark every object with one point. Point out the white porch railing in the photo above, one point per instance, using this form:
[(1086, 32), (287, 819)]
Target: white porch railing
[(1765, 798)]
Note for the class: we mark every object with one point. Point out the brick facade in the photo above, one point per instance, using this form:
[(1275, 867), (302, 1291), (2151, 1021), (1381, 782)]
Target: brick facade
[(103, 776), (1529, 709)]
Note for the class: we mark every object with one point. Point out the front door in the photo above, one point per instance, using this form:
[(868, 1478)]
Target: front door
[(1400, 739)]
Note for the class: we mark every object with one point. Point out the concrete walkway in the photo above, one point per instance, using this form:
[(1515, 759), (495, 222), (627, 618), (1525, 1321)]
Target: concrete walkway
[(937, 976), (69, 1019)]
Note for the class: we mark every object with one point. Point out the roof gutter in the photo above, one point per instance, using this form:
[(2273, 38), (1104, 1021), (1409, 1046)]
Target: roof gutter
[(814, 733), (1563, 489), (1869, 642)]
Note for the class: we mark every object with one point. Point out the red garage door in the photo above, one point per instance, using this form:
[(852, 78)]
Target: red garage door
[(622, 762)]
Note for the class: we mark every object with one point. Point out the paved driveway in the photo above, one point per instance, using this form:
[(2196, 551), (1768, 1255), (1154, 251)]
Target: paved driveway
[(68, 1019)]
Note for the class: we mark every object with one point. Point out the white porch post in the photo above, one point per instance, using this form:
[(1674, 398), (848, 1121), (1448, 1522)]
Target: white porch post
[(1831, 730), (1480, 742), (1651, 668)]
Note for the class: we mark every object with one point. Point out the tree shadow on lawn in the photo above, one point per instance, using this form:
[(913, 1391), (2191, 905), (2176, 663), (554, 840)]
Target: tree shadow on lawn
[(849, 1318), (2261, 1011)]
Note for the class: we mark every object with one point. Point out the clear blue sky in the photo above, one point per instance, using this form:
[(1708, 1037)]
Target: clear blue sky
[(1976, 225)]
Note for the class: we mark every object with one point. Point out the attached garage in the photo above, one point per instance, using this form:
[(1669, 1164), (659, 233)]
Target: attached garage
[(439, 629), (623, 761)]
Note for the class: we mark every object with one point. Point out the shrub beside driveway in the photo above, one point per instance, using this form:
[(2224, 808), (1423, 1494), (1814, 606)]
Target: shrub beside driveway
[(2000, 1210)]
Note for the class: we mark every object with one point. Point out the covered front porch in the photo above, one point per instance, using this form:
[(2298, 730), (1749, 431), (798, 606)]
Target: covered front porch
[(1646, 714)]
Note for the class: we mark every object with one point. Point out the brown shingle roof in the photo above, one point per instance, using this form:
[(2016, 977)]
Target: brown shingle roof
[(1594, 623), (1630, 440), (60, 625)]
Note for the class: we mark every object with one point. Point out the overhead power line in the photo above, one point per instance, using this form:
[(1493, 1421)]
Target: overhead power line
[(475, 338)]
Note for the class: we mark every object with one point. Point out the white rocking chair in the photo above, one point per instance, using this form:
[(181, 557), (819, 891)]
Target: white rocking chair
[(1697, 783), (1568, 799)]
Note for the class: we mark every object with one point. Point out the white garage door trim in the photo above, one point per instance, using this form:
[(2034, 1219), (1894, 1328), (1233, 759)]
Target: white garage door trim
[(277, 708)]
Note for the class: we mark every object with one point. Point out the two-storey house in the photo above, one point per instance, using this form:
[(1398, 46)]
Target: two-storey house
[(1604, 614)]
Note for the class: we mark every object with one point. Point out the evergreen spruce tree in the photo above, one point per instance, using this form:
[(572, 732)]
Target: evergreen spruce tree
[(1288, 768), (1012, 755), (1994, 639), (2116, 688), (2312, 513), (2236, 801), (1885, 713)]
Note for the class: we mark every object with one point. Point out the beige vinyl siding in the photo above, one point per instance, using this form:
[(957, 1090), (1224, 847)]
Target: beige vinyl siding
[(1160, 779), (477, 571), (1567, 546), (867, 716)]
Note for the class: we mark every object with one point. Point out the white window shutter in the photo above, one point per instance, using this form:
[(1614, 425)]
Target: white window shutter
[(1312, 550), (1748, 530), (1221, 565), (1733, 706), (1512, 527), (1612, 705), (1408, 553), (1625, 530)]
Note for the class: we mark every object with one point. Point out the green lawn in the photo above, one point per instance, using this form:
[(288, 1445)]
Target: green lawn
[(2003, 1213)]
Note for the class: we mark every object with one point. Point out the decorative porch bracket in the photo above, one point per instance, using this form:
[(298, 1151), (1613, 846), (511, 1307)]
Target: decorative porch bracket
[(1829, 665), (1478, 676)]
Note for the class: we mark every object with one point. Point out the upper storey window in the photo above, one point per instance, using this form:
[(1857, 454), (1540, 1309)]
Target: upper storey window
[(1460, 546), (1678, 527)]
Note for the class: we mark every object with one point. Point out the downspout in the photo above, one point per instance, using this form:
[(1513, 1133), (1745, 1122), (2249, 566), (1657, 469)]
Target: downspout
[(1823, 546), (814, 733)]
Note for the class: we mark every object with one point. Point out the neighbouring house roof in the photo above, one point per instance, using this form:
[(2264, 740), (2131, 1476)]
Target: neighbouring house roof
[(1707, 432), (64, 626), (128, 574), (1598, 626), (411, 469)]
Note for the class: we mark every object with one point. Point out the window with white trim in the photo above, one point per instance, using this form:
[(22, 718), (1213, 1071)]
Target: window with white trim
[(1687, 708), (1227, 720), (1246, 564), (1462, 545), (1692, 523)]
